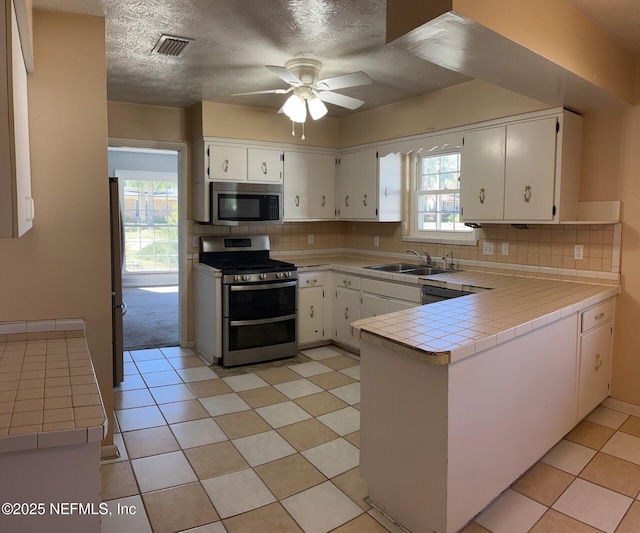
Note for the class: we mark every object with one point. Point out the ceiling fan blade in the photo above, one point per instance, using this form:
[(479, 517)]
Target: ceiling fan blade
[(285, 74), (346, 80), (267, 91), (340, 100)]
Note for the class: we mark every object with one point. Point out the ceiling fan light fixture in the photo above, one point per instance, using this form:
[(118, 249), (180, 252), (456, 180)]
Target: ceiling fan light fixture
[(317, 109), (295, 108)]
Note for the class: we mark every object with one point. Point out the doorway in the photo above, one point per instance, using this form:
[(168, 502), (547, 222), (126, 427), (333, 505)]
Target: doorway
[(151, 205)]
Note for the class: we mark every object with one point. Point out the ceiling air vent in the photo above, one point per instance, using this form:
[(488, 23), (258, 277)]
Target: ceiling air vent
[(168, 45)]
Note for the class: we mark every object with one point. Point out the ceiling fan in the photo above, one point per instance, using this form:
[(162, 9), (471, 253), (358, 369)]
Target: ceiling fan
[(311, 92)]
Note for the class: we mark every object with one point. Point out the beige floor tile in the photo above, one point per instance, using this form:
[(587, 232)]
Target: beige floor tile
[(613, 473), (117, 481), (543, 483), (365, 524), (179, 508), (283, 414), (215, 459), (632, 426), (146, 355), (209, 387), (183, 411), (171, 393), (555, 522), (263, 448), (511, 512), (162, 471), (608, 417), (307, 434), (334, 457), (271, 517), (313, 368), (160, 379), (197, 433), (190, 361), (274, 376), (132, 398), (242, 424), (245, 382), (115, 522), (320, 403), (591, 435), (289, 475), (264, 396), (340, 362), (353, 438), (624, 446), (146, 442), (631, 521), (353, 486), (342, 421), (224, 404), (154, 365), (138, 418), (331, 380)]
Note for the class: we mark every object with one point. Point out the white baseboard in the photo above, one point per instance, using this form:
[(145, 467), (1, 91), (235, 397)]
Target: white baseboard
[(109, 452)]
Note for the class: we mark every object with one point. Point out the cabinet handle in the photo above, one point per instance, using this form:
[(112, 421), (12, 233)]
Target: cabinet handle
[(598, 362), (364, 200), (481, 196), (527, 193), (225, 165), (346, 200), (346, 313), (297, 201), (324, 201), (346, 283), (312, 281), (32, 208), (311, 312), (600, 316), (264, 167)]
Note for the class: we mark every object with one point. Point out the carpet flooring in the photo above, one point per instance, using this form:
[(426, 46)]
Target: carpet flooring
[(151, 320)]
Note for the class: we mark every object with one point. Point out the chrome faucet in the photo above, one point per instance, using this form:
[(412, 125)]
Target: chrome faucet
[(426, 258), (446, 258)]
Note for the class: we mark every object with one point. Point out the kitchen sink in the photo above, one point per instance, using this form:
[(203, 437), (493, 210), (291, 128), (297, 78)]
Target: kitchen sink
[(409, 268)]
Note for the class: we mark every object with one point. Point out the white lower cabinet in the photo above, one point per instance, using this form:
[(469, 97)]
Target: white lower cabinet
[(373, 305), (595, 357), (346, 308), (314, 317)]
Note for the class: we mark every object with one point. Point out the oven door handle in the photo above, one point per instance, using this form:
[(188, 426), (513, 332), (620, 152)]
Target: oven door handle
[(251, 287), (261, 321)]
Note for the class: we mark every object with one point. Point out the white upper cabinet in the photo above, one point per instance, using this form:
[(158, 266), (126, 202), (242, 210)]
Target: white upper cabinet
[(526, 170), (226, 162), (16, 203), (264, 165), (309, 186), (369, 187)]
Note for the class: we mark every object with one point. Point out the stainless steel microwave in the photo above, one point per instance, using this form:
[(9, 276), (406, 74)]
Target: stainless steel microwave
[(235, 204)]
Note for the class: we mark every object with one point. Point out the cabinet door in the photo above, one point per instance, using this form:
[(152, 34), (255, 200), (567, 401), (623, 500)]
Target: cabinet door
[(310, 315), (322, 187), (264, 165), (482, 164), (345, 311), (296, 178), (595, 368), (347, 186), (390, 188), (226, 162), (367, 172), (530, 170), (373, 305)]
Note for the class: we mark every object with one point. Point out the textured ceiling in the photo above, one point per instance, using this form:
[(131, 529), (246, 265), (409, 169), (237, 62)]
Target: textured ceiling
[(234, 39)]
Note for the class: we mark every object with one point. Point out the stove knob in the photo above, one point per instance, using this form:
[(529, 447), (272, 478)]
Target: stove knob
[(263, 276), (236, 278), (287, 274), (279, 275), (245, 277)]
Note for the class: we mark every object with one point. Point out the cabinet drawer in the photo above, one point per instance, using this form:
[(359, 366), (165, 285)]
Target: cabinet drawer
[(349, 282), (310, 279), (595, 316), (410, 293)]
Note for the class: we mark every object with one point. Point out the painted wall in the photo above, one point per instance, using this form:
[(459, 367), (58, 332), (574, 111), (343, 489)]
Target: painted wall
[(61, 268), (147, 122)]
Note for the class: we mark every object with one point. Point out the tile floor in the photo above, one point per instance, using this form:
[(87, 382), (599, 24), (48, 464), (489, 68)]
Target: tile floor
[(277, 450)]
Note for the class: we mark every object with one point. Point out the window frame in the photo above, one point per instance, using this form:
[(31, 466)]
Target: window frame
[(433, 146)]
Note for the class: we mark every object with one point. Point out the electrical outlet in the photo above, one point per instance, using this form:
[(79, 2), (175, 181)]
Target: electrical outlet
[(487, 248), (310, 238), (196, 242), (505, 248), (376, 240), (578, 251)]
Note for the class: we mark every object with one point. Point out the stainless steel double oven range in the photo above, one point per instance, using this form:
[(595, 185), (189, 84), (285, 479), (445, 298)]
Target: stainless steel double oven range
[(259, 299)]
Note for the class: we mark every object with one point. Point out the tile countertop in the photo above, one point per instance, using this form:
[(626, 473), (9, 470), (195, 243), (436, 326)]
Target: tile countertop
[(48, 394), (505, 307)]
